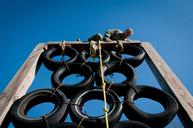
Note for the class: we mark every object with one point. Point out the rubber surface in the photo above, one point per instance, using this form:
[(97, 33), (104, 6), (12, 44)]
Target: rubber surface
[(65, 125), (77, 115), (137, 53), (55, 51), (71, 90), (130, 124), (120, 67), (158, 120), (22, 106), (94, 65)]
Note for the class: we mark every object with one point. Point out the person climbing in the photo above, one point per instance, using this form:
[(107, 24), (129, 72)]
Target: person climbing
[(112, 35), (116, 34), (96, 37)]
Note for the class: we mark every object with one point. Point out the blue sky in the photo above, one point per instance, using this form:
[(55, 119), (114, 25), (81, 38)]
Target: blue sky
[(167, 24)]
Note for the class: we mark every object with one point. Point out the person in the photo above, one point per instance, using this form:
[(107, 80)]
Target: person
[(95, 37), (112, 35), (116, 34)]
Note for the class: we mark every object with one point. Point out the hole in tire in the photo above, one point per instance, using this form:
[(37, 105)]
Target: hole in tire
[(60, 57), (116, 77), (39, 110), (73, 79), (149, 106), (98, 108), (93, 59), (127, 56)]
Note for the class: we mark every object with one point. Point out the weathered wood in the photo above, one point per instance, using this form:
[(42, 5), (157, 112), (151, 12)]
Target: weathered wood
[(20, 83), (86, 42), (79, 46), (170, 83)]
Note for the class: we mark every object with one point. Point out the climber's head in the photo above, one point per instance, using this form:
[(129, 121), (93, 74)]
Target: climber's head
[(128, 32)]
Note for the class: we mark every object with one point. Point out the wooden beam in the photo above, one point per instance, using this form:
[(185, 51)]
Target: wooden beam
[(79, 46), (20, 83), (86, 42), (170, 83)]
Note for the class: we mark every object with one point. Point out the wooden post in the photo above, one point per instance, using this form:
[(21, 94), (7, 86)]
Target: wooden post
[(170, 83), (20, 83)]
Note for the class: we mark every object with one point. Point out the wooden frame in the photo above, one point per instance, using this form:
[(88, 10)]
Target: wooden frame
[(170, 83), (20, 83)]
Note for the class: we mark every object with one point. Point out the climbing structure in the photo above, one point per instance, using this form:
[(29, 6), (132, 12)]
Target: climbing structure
[(71, 99)]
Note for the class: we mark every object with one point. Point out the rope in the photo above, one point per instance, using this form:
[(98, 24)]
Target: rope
[(44, 117), (45, 47), (109, 86), (122, 59), (131, 86), (69, 103), (82, 120), (54, 91), (120, 46), (62, 45), (103, 86), (90, 50), (83, 63), (67, 67), (93, 49)]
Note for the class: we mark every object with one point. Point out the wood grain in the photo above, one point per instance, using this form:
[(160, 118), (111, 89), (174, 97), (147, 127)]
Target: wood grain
[(20, 83)]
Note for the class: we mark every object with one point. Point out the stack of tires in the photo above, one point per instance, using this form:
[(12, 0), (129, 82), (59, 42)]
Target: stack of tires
[(71, 99)]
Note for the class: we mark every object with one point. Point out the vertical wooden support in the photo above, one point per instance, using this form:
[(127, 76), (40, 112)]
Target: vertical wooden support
[(20, 83), (170, 83)]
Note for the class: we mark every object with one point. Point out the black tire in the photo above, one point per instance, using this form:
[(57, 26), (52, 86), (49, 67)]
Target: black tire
[(137, 53), (130, 124), (159, 120), (94, 65), (23, 105), (55, 51), (77, 115), (121, 67), (65, 125), (71, 90)]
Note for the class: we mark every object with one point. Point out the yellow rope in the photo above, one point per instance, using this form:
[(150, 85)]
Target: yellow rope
[(90, 49), (103, 86)]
